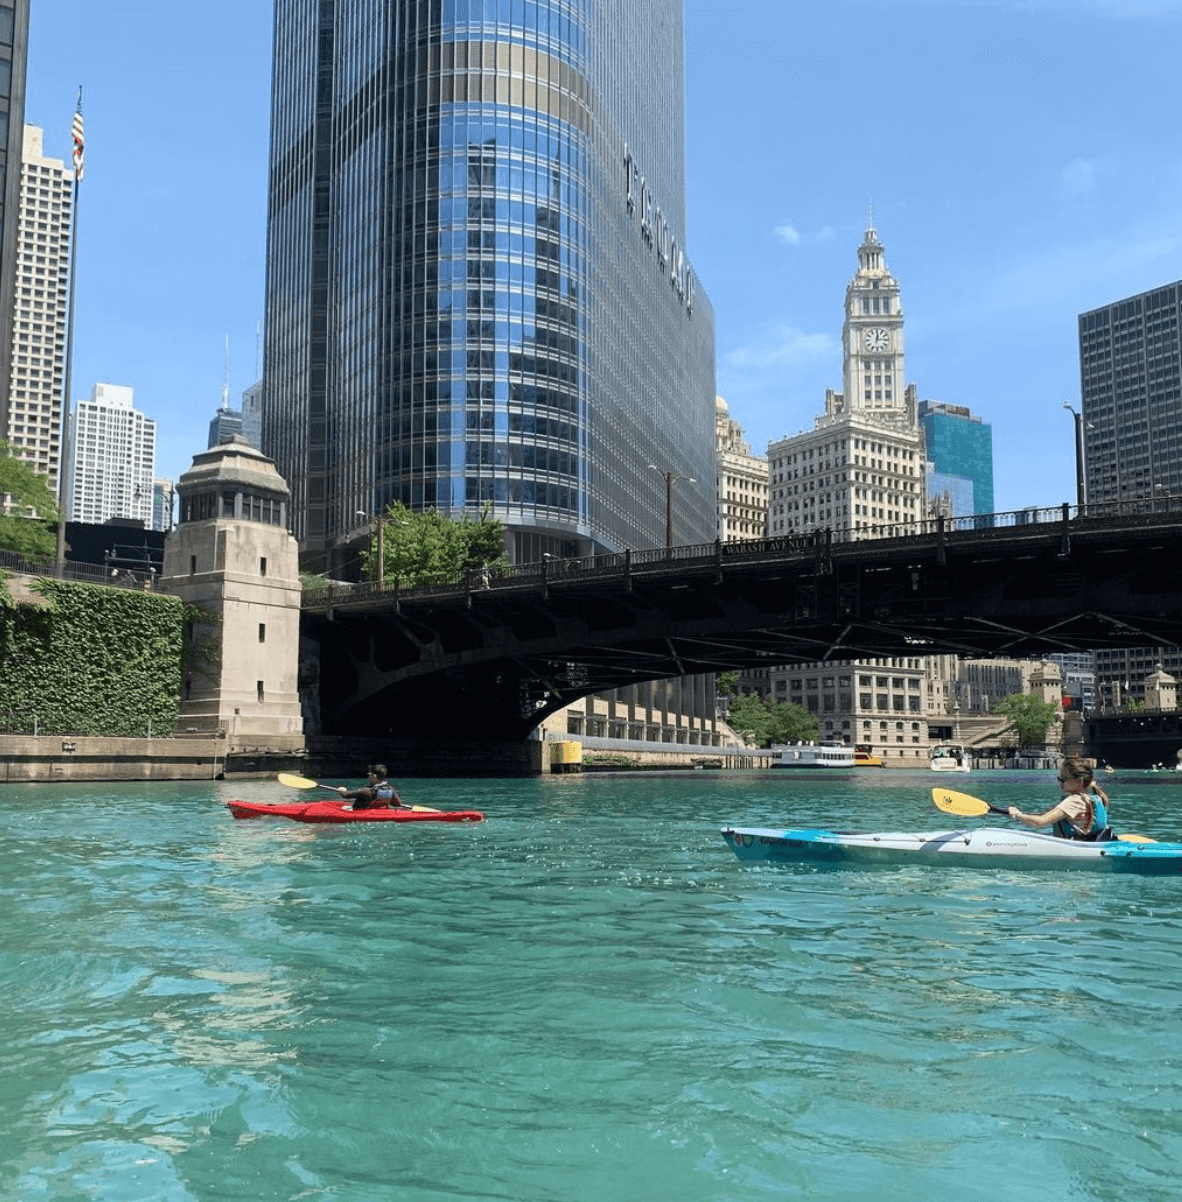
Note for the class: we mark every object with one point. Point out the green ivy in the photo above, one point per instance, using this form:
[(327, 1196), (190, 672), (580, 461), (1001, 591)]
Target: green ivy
[(93, 661)]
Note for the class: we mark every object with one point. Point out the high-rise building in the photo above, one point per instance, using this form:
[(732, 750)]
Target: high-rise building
[(478, 292), (223, 426), (861, 468), (163, 497), (40, 311), (860, 472), (742, 506), (252, 414), (1130, 360), (959, 448), (112, 459), (14, 55), (742, 480)]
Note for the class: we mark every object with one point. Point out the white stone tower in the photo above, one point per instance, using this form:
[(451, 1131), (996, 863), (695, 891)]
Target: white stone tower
[(231, 554), (860, 470)]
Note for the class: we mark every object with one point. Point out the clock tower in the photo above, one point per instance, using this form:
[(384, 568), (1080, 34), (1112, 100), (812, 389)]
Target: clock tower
[(872, 336)]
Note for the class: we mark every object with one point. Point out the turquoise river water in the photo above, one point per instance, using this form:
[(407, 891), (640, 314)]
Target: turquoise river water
[(585, 998)]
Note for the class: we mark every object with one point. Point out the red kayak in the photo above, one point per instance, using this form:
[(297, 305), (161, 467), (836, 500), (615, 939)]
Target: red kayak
[(343, 811)]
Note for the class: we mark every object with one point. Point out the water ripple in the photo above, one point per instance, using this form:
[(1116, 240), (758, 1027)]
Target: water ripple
[(584, 997)]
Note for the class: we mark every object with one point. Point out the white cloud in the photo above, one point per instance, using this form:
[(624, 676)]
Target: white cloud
[(790, 234), (780, 347), (1077, 177), (1072, 276)]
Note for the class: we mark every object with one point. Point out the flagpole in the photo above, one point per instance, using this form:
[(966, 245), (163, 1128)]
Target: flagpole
[(64, 464)]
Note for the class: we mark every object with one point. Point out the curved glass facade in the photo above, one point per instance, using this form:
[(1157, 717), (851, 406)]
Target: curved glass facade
[(477, 290)]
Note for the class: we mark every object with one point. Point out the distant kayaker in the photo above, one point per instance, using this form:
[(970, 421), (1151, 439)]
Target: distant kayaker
[(1083, 811), (378, 794)]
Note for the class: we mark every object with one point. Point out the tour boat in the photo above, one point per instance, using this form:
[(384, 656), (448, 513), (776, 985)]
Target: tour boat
[(982, 848), (814, 755), (865, 758)]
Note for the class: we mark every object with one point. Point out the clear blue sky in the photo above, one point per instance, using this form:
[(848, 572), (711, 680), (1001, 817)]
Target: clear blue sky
[(1022, 156)]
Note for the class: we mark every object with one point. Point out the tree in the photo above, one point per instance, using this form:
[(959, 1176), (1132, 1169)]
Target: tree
[(766, 722), (750, 717), (29, 509), (1031, 716), (726, 683), (793, 724), (428, 548)]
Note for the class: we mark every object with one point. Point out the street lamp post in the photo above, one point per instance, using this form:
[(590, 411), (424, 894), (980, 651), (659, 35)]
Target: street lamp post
[(669, 478), (379, 523), (1081, 492)]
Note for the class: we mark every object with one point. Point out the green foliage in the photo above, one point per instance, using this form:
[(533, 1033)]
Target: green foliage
[(24, 521), (94, 660), (428, 548), (727, 683), (1031, 716), (793, 724), (763, 723)]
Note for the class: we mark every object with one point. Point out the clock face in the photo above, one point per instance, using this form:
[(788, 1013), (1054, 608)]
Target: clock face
[(876, 340)]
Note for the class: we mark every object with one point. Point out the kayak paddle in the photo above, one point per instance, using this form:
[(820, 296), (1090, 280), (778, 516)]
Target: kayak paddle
[(952, 802), (302, 782)]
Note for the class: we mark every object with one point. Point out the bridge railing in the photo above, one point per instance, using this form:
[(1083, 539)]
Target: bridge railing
[(88, 573), (552, 569)]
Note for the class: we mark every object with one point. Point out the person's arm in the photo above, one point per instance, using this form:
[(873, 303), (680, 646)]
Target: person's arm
[(1058, 813)]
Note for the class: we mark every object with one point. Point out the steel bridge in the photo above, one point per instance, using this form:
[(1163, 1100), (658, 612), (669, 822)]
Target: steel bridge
[(499, 655)]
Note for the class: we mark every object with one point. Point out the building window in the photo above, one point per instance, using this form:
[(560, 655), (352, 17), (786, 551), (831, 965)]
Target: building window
[(259, 689), (262, 632)]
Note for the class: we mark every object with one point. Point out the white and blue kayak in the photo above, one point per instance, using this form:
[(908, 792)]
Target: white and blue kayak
[(983, 848)]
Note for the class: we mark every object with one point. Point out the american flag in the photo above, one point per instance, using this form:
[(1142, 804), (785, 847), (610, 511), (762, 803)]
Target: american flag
[(79, 143)]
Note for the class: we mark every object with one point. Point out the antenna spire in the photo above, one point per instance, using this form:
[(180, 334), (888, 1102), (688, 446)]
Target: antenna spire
[(226, 377)]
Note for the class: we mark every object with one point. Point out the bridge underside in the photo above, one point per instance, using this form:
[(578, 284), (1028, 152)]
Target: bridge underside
[(496, 661)]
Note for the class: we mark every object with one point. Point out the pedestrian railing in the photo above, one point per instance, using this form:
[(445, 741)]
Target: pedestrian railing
[(1037, 521)]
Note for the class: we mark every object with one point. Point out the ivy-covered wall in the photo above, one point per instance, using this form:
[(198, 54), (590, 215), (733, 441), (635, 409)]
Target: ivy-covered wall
[(92, 661)]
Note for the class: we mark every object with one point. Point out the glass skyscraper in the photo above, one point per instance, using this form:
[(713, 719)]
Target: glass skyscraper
[(478, 291), (959, 448)]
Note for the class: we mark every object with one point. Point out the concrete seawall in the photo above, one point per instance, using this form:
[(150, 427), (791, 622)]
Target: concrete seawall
[(27, 758), (49, 758)]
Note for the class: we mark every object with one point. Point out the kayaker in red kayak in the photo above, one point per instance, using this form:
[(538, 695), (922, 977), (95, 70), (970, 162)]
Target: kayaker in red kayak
[(378, 794), (1083, 811)]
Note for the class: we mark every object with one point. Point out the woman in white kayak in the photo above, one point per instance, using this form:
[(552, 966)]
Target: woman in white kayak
[(1083, 811)]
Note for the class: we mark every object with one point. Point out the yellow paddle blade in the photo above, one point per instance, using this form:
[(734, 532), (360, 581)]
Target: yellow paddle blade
[(296, 782), (1136, 839), (952, 802)]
